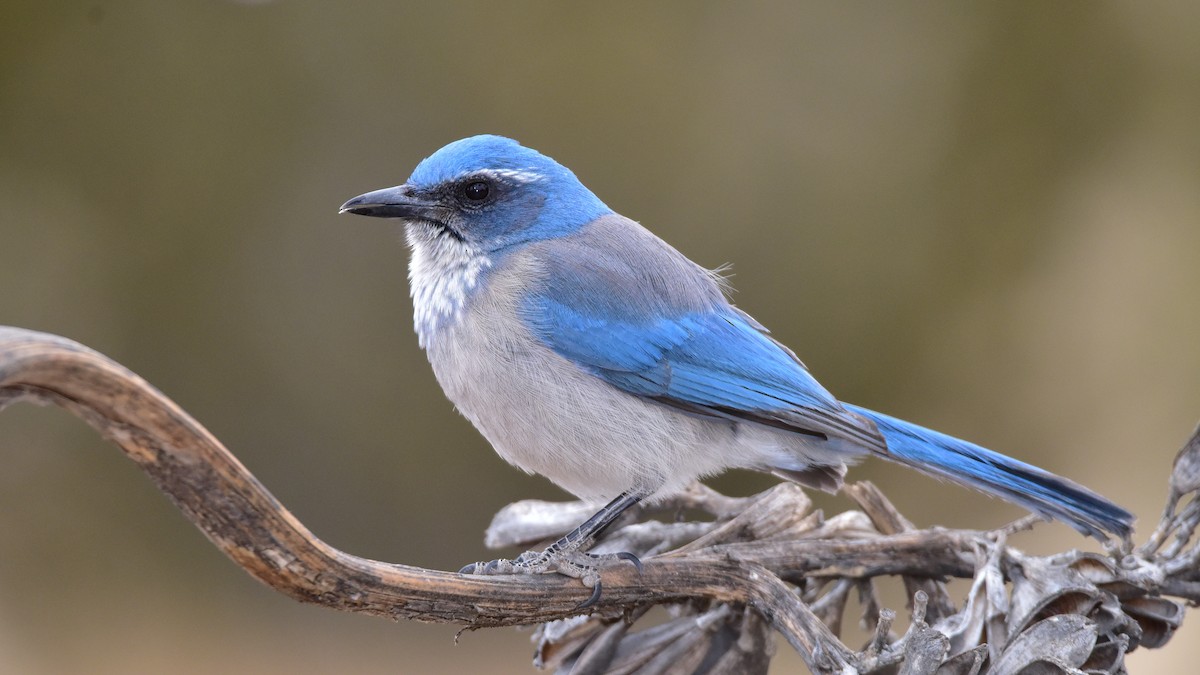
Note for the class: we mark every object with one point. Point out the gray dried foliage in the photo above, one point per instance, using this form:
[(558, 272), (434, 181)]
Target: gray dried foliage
[(1075, 612)]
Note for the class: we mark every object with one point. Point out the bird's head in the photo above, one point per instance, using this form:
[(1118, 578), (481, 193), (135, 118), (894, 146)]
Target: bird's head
[(487, 191)]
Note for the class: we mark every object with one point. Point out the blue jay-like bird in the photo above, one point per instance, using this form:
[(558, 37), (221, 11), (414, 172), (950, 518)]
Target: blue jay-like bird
[(590, 351)]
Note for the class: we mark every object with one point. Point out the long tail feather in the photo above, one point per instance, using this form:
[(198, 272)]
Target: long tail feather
[(1039, 491)]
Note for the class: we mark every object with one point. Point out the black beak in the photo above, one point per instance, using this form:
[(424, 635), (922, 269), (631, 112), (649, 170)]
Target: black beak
[(395, 202)]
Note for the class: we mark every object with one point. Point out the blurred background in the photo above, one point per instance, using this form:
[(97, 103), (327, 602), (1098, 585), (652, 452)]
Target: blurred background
[(985, 218)]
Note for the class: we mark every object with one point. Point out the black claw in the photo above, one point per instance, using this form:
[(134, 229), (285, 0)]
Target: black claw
[(632, 559), (469, 569), (590, 601), (491, 566)]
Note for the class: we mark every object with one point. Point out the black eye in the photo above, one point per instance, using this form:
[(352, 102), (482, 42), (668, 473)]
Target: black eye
[(477, 191)]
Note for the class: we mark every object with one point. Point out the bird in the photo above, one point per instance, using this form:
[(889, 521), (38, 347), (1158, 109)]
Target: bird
[(588, 350)]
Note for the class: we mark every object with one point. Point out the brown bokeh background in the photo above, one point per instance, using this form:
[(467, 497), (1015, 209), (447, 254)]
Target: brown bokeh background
[(985, 218)]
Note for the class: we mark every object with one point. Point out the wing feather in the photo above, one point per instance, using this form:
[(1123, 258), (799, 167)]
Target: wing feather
[(650, 322)]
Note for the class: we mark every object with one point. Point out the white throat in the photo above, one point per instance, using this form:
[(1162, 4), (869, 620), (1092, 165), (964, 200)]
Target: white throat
[(442, 272)]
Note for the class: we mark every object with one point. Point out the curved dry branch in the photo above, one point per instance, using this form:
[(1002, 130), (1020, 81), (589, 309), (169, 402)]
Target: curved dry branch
[(765, 558), (241, 517)]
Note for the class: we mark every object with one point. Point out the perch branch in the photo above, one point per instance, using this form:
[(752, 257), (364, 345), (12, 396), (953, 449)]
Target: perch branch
[(769, 553), (241, 517)]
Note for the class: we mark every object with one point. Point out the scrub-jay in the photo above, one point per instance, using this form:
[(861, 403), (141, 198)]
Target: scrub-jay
[(590, 351)]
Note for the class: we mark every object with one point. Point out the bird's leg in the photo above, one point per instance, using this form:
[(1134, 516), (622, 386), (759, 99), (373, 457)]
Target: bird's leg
[(568, 555)]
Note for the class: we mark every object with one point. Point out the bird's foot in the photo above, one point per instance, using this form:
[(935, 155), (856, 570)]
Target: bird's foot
[(568, 561)]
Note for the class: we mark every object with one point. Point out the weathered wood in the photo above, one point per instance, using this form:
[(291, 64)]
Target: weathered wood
[(768, 553), (241, 517)]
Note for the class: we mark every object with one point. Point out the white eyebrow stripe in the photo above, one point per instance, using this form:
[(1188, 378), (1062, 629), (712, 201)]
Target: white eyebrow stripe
[(512, 175)]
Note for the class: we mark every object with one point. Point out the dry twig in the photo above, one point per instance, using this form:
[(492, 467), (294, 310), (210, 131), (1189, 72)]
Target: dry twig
[(757, 564)]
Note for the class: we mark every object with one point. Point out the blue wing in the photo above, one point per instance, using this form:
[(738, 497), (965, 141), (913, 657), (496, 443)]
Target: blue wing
[(653, 324), (714, 363)]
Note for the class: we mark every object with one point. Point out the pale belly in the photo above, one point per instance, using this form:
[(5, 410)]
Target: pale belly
[(545, 415)]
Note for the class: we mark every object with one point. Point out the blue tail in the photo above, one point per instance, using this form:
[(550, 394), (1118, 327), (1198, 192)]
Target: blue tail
[(1039, 491)]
